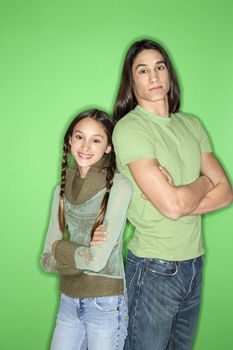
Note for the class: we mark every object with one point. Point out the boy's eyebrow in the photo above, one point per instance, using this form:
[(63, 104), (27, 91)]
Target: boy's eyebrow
[(144, 64), (161, 61), (140, 65)]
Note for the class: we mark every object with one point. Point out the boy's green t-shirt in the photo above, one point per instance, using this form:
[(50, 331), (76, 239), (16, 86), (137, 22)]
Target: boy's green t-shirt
[(177, 143)]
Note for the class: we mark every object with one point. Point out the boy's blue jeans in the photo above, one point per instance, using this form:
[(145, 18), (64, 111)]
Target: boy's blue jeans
[(163, 301), (91, 323)]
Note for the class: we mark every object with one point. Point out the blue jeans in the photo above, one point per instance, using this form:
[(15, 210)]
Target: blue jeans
[(163, 301), (91, 323)]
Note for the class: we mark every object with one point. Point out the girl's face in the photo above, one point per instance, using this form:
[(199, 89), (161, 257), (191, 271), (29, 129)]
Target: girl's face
[(88, 144)]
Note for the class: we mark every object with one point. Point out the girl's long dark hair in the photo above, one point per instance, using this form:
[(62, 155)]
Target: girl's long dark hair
[(107, 124), (126, 99)]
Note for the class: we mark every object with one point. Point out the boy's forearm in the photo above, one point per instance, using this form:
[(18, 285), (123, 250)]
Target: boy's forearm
[(219, 197), (190, 196)]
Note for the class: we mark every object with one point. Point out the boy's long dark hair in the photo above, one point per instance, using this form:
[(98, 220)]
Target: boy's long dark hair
[(126, 99), (104, 119)]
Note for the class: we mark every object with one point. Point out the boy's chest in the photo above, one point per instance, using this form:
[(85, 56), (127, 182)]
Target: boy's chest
[(179, 152)]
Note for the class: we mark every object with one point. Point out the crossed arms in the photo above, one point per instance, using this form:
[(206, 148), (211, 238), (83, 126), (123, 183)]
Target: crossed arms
[(211, 191)]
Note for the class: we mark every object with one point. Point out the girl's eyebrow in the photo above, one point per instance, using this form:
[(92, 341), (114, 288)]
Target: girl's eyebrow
[(79, 131), (98, 135), (144, 64)]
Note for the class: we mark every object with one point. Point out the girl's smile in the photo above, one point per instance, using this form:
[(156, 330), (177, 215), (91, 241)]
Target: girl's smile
[(88, 144)]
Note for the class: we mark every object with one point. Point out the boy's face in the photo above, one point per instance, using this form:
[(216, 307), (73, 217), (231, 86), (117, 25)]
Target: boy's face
[(150, 77)]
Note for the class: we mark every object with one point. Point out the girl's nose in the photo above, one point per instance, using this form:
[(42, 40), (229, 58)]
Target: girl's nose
[(85, 145)]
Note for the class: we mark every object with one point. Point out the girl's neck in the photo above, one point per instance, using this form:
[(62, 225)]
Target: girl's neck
[(83, 171), (77, 189)]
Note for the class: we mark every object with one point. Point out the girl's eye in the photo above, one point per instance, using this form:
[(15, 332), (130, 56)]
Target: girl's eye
[(142, 71), (78, 137), (96, 141)]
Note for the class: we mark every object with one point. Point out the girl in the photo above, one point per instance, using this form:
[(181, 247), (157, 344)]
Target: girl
[(93, 310)]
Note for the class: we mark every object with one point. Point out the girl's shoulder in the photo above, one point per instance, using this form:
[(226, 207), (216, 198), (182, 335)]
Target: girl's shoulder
[(57, 190), (121, 182)]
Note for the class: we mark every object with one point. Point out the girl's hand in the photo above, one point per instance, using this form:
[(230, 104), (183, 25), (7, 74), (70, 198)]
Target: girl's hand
[(100, 235)]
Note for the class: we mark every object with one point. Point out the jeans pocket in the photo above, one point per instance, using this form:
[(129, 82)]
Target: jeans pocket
[(162, 267), (107, 304)]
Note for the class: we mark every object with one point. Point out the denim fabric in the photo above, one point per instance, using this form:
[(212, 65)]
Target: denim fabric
[(92, 323), (163, 301)]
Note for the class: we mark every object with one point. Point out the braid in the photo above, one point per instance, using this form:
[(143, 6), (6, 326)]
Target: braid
[(102, 118), (62, 189), (111, 170), (109, 181)]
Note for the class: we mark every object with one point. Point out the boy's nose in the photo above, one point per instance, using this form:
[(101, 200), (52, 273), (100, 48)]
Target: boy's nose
[(154, 76)]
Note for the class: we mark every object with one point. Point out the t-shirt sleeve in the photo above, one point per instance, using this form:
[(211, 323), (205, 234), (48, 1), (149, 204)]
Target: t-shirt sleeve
[(132, 141), (203, 138)]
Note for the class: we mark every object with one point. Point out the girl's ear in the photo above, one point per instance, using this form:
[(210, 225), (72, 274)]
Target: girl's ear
[(108, 150), (70, 140)]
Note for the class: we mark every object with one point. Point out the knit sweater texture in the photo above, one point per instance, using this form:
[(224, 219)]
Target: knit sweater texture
[(88, 271)]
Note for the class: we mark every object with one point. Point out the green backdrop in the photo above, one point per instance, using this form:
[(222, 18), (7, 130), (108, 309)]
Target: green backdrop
[(59, 57)]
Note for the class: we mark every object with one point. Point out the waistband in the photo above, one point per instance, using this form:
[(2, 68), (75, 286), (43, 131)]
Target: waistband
[(90, 286), (138, 259)]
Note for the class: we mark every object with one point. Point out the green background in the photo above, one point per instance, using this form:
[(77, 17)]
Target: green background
[(59, 57)]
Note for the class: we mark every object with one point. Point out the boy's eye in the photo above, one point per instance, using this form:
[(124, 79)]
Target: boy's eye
[(161, 67)]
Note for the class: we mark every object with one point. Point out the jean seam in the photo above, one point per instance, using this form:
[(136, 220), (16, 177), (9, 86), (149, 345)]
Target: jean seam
[(139, 287), (131, 281), (119, 303), (131, 261), (192, 279), (121, 324), (164, 274), (172, 333)]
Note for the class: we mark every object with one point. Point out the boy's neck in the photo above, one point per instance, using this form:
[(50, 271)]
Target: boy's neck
[(160, 108)]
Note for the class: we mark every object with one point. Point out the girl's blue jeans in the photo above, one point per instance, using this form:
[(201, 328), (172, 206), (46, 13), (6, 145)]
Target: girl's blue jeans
[(91, 323), (163, 300)]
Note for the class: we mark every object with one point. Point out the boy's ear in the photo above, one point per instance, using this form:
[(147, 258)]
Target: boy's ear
[(108, 150)]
